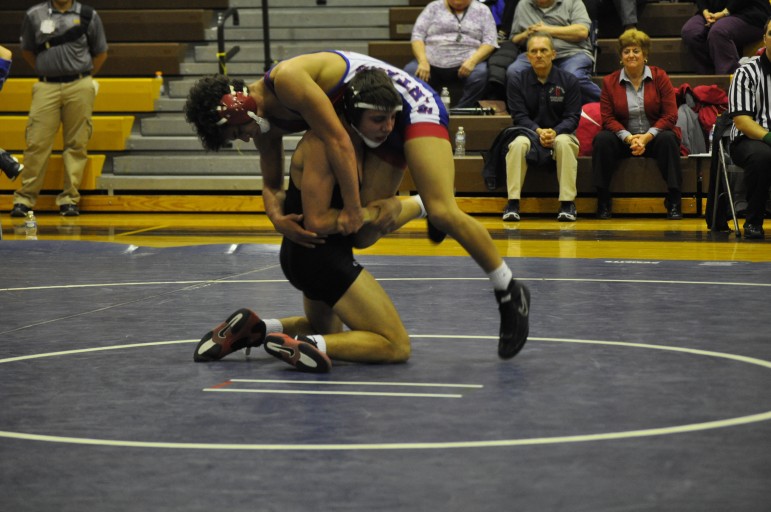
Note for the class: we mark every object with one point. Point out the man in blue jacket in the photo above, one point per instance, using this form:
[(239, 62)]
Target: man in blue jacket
[(546, 101)]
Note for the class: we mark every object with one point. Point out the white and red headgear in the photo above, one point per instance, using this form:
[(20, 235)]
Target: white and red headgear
[(237, 108)]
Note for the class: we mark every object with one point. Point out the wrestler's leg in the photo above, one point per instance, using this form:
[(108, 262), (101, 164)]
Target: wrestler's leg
[(376, 333), (381, 180), (432, 167)]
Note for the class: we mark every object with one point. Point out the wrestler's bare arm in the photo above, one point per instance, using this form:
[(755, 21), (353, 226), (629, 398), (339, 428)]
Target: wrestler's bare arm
[(297, 90), (271, 151)]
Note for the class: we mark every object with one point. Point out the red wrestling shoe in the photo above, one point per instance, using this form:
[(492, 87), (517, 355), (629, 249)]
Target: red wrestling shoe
[(242, 329), (300, 352)]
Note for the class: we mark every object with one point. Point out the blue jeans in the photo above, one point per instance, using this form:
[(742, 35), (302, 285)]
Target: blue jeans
[(579, 65)]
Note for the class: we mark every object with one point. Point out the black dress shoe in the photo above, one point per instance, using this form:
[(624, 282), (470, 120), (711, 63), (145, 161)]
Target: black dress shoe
[(603, 211), (674, 211), (753, 232)]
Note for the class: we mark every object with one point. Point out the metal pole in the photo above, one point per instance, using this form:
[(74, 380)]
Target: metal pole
[(266, 35), (222, 56)]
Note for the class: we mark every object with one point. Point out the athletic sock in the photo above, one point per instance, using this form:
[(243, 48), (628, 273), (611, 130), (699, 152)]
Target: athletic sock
[(321, 343), (501, 277), (423, 212), (273, 325)]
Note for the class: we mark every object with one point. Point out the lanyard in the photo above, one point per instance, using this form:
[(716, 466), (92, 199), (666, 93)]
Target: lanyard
[(460, 19)]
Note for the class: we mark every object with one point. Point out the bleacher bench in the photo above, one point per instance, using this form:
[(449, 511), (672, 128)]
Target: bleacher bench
[(110, 133), (124, 59), (135, 25), (23, 5), (115, 95), (54, 178)]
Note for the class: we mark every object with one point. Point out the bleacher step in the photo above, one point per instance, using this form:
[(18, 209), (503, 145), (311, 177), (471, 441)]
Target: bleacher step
[(171, 164), (191, 143), (109, 133), (115, 95), (54, 176), (326, 17), (166, 124), (236, 34), (255, 52), (313, 4), (240, 184)]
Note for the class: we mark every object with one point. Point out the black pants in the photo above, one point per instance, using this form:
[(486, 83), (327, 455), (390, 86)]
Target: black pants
[(754, 157), (608, 150)]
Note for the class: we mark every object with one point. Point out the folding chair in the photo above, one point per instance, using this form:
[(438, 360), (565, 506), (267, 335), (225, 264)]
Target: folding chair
[(722, 166)]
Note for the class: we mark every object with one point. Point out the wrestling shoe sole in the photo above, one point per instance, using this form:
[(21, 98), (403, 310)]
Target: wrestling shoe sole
[(242, 329), (515, 322), (302, 354)]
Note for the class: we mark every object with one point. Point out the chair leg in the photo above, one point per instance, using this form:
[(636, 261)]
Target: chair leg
[(723, 169)]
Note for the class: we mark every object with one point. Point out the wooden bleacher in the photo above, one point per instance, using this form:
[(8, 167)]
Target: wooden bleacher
[(115, 95), (23, 5), (54, 178), (639, 186), (655, 19), (637, 179), (123, 59), (110, 133), (175, 25), (144, 36)]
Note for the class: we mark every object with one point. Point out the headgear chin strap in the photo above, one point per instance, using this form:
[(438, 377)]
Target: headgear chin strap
[(369, 142), (237, 108)]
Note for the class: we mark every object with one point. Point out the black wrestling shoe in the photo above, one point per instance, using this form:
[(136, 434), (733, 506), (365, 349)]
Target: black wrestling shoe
[(242, 329), (514, 306), (435, 234), (301, 352)]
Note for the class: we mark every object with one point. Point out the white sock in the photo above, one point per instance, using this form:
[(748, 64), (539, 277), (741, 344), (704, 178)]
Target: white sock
[(273, 325), (423, 212), (501, 277), (321, 343)]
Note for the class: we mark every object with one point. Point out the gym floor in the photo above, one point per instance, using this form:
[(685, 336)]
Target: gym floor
[(644, 385)]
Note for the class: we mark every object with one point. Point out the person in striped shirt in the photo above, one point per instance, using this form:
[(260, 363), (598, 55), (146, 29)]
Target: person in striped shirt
[(749, 105)]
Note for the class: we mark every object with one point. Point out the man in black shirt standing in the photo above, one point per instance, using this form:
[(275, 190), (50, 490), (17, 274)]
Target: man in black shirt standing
[(546, 101)]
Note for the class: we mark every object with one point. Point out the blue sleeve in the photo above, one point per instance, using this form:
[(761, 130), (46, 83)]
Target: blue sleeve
[(5, 69), (518, 103)]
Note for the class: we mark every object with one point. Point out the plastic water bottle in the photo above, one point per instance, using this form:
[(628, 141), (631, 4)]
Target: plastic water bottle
[(30, 226), (159, 77), (446, 98), (460, 142)]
